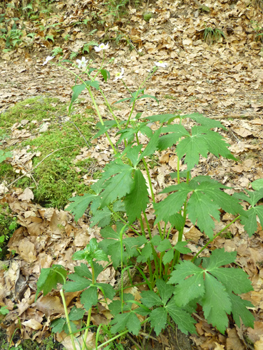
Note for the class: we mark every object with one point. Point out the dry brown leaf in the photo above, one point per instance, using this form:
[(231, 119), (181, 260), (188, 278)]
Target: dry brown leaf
[(259, 344), (50, 305), (233, 342)]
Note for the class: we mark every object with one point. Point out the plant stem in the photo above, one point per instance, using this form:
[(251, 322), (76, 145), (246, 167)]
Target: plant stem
[(121, 243), (152, 194), (155, 257), (108, 105), (100, 118), (180, 233), (67, 318), (137, 92), (90, 310), (126, 223), (178, 170), (112, 339), (119, 335), (211, 240), (94, 102), (126, 86)]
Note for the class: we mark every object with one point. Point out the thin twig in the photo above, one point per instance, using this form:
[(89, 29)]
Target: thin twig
[(79, 132), (20, 177), (147, 335), (144, 338), (133, 341)]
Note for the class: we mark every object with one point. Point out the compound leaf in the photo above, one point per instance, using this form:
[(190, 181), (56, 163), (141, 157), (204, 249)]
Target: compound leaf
[(199, 143)]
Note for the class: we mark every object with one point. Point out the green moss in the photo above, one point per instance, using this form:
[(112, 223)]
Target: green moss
[(36, 108), (53, 176), (153, 161), (7, 226), (170, 97), (227, 235)]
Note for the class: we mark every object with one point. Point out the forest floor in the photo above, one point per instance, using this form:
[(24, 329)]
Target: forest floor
[(216, 72)]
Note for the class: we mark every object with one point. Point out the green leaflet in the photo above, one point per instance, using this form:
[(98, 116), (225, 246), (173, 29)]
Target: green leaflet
[(213, 285)]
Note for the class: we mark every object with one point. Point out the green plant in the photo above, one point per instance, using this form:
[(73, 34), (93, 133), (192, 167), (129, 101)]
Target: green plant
[(67, 37), (175, 286), (73, 55), (13, 37), (4, 155), (57, 51), (7, 226), (4, 310), (115, 8), (212, 35), (147, 16), (88, 45)]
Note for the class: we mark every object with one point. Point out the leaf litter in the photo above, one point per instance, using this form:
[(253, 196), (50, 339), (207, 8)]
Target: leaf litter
[(222, 80)]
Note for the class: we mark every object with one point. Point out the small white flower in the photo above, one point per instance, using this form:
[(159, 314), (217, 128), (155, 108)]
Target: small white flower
[(161, 64), (119, 75), (48, 59), (101, 47), (82, 64)]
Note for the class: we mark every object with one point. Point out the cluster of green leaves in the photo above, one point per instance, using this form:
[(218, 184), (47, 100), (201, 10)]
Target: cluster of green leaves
[(122, 191), (213, 35), (11, 36), (12, 26)]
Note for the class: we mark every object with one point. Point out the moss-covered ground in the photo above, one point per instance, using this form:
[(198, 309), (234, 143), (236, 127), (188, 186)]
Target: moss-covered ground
[(54, 178)]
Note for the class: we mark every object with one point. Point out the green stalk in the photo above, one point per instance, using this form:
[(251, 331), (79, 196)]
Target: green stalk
[(90, 310), (148, 76), (94, 102), (112, 339), (155, 257), (101, 66), (148, 225), (126, 86), (66, 311), (211, 240), (108, 105), (143, 232), (126, 223), (149, 179), (142, 227), (149, 284), (119, 335), (169, 231), (180, 233), (67, 318), (152, 194), (167, 265), (121, 239), (133, 105), (100, 118), (178, 170)]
